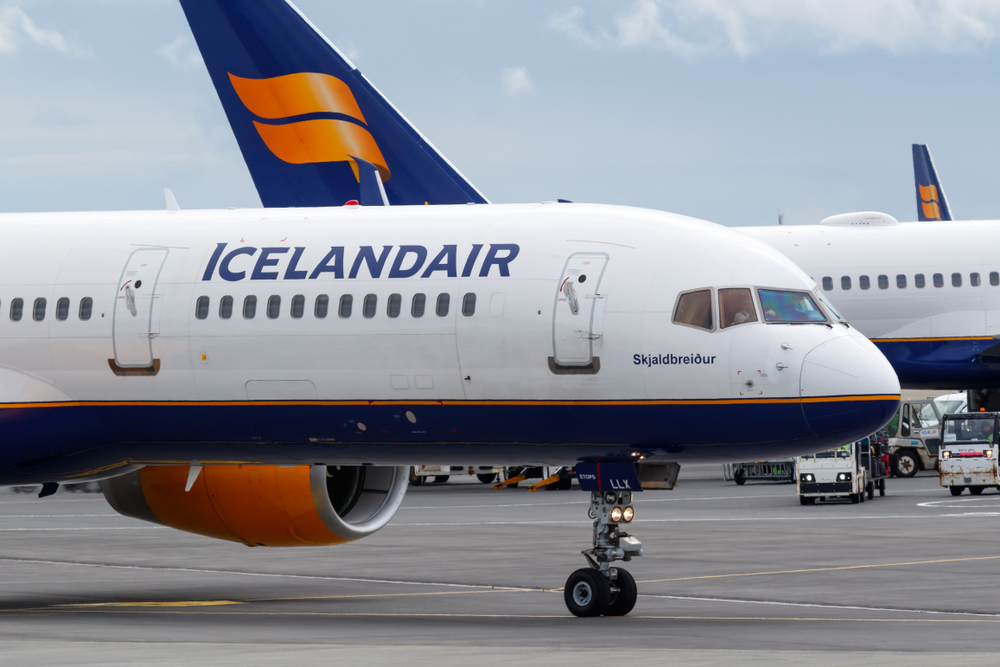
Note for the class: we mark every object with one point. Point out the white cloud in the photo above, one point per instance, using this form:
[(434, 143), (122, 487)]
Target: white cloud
[(516, 80), (17, 27), (178, 53), (741, 27)]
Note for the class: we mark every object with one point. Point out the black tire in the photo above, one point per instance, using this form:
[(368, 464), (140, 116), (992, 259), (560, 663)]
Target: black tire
[(855, 498), (871, 490), (587, 593), (415, 479), (977, 490), (441, 479), (740, 477), (881, 487), (487, 478), (622, 601), (907, 463), (861, 495), (956, 490), (807, 500)]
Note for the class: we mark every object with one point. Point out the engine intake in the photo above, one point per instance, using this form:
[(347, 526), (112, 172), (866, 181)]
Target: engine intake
[(264, 505)]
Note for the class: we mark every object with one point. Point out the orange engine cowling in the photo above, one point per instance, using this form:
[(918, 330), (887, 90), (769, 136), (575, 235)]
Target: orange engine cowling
[(258, 505)]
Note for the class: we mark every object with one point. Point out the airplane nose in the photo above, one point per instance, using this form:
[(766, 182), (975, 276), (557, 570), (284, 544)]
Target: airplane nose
[(848, 389)]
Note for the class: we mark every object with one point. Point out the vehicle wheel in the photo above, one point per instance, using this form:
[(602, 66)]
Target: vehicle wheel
[(861, 495), (441, 479), (907, 463), (561, 485), (587, 593), (871, 490), (807, 500), (977, 490), (740, 477), (855, 498), (956, 490), (622, 601), (415, 479), (487, 478), (881, 487)]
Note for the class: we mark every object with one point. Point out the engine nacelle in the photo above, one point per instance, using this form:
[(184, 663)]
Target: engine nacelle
[(264, 505)]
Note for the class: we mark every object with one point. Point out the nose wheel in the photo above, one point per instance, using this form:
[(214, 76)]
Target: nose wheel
[(603, 589)]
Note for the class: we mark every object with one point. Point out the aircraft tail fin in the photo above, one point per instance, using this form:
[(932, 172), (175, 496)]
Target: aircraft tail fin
[(931, 202), (307, 121)]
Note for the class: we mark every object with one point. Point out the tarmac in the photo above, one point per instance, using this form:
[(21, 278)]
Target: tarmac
[(465, 574)]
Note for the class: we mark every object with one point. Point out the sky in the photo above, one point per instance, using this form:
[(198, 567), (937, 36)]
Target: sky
[(728, 110)]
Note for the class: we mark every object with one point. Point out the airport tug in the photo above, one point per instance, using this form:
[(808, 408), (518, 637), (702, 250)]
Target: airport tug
[(969, 452), (852, 471)]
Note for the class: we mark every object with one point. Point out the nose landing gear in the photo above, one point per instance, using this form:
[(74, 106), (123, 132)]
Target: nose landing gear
[(602, 588)]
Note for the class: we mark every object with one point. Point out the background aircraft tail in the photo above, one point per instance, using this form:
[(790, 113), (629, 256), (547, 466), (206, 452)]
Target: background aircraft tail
[(312, 129), (931, 202)]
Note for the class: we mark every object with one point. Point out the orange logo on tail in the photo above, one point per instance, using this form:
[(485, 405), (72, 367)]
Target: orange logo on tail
[(929, 202), (314, 140)]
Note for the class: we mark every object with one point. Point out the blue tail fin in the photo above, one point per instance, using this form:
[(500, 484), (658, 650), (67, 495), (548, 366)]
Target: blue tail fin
[(306, 119), (931, 202)]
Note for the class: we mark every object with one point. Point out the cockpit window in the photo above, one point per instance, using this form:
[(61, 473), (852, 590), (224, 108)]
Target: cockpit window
[(782, 306), (695, 309), (735, 307), (829, 307)]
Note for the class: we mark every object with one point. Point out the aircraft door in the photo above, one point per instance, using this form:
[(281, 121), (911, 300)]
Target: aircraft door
[(573, 330), (133, 326)]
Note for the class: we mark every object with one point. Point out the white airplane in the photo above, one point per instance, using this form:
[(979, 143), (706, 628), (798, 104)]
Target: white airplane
[(267, 376)]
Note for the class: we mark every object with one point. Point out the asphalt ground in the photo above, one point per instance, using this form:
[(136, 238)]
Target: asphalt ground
[(464, 574)]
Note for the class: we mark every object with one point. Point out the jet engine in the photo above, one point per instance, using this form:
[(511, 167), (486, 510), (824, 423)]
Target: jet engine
[(257, 505)]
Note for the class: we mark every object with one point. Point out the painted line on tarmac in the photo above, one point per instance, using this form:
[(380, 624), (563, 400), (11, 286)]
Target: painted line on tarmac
[(822, 569), (193, 570), (870, 517), (54, 516), (817, 605), (51, 530)]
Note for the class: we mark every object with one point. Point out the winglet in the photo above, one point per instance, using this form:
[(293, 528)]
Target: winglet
[(931, 202), (172, 205)]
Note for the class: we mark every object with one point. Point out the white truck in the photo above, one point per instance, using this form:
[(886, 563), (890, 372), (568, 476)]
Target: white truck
[(969, 452), (915, 432), (853, 471)]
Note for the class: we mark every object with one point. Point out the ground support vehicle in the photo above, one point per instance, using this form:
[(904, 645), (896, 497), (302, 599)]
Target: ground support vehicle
[(441, 474), (969, 452), (779, 470), (854, 471), (552, 478), (914, 437)]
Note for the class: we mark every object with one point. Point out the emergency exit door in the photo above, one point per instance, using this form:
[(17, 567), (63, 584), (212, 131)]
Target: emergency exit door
[(573, 326), (134, 308)]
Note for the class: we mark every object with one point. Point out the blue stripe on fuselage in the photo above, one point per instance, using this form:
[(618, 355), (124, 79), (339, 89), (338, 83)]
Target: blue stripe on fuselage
[(942, 363)]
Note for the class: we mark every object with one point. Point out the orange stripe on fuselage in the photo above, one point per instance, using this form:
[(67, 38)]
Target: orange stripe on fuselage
[(929, 340)]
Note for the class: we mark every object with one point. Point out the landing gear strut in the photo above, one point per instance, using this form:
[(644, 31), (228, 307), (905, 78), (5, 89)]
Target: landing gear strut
[(602, 588)]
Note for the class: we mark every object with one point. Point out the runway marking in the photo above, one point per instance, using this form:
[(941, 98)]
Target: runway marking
[(49, 530), (55, 516), (869, 517), (821, 569), (149, 568), (819, 605), (190, 603)]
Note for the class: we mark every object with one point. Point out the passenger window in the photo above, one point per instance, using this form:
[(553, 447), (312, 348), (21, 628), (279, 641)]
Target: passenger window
[(250, 307), (322, 306), (827, 283), (736, 307), (901, 281), (883, 282), (62, 309), (469, 305), (371, 303), (918, 281), (39, 310), (956, 280), (695, 309), (845, 283), (863, 282), (273, 307), (346, 304), (444, 300), (226, 307), (938, 280), (974, 279), (201, 309), (16, 309), (298, 306), (86, 308), (394, 305), (417, 307), (994, 278)]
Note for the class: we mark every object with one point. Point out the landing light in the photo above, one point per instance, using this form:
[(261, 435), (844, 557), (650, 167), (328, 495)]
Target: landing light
[(628, 514), (616, 514)]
